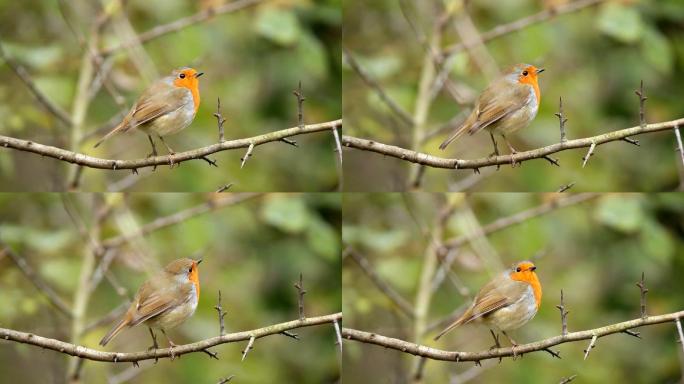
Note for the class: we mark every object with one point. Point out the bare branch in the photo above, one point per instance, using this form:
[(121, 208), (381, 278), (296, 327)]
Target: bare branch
[(182, 23), (36, 280), (644, 291), (23, 75), (568, 379), (394, 297), (681, 334), (300, 296), (561, 120), (438, 354), (440, 162), (680, 147), (219, 120), (338, 334), (522, 216), (564, 188), (179, 217), (200, 346), (225, 380), (200, 153), (564, 316), (224, 188), (404, 116), (221, 315), (642, 100)]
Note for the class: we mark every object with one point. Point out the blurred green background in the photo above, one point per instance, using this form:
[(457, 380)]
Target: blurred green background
[(595, 251), (253, 252), (252, 59), (594, 60)]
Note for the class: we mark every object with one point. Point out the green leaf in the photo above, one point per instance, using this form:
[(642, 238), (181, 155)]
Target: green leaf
[(622, 213), (286, 213), (621, 22), (278, 25), (656, 51)]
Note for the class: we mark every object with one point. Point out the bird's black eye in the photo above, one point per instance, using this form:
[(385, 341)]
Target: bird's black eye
[(525, 73), (190, 270), (517, 269), (182, 75)]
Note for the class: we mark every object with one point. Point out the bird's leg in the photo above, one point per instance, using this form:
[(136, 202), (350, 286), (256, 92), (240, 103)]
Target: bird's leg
[(513, 344), (496, 149), (154, 148), (496, 340), (513, 151), (171, 344), (154, 346), (171, 151)]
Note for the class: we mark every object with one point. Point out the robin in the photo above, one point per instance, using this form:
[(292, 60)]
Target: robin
[(507, 302), (506, 105), (164, 301), (168, 106)]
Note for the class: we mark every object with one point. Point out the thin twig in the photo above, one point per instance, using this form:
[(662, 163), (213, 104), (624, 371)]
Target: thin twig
[(440, 162), (250, 343), (564, 316), (680, 147), (642, 101), (200, 153), (566, 380), (182, 23), (300, 104), (565, 187), (221, 315), (224, 188), (219, 120), (561, 120), (36, 280), (591, 346), (644, 291), (404, 116), (681, 334), (300, 296), (394, 297)]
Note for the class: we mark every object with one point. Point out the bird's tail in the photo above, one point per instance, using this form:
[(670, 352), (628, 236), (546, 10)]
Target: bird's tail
[(108, 135), (113, 332), (449, 328)]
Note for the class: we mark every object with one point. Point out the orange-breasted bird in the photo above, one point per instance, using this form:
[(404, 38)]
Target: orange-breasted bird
[(506, 105), (507, 302), (166, 107), (164, 301)]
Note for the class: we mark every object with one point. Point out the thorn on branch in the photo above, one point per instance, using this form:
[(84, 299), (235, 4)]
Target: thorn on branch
[(568, 379), (338, 145), (221, 315), (290, 334), (213, 355), (632, 333), (289, 141), (642, 100), (249, 347), (680, 147), (631, 141), (591, 346), (551, 160), (225, 380), (223, 189), (219, 120), (552, 352), (565, 187), (644, 291), (589, 154), (208, 160), (564, 316), (300, 104), (680, 332), (247, 155), (338, 334), (301, 292), (561, 120)]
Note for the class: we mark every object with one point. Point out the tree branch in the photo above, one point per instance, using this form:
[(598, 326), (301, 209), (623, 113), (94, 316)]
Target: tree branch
[(438, 354), (200, 153), (200, 346), (440, 162), (182, 23)]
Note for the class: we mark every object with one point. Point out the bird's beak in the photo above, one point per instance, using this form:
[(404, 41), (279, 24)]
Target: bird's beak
[(198, 74), (533, 269), (199, 261), (540, 70)]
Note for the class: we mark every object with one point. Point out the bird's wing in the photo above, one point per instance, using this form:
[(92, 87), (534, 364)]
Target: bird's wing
[(496, 102), (157, 301), (498, 293), (152, 105)]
